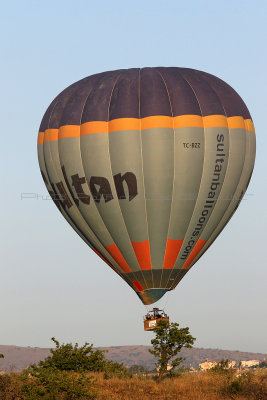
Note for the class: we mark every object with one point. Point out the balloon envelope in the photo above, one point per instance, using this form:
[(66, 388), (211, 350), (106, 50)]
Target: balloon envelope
[(148, 165)]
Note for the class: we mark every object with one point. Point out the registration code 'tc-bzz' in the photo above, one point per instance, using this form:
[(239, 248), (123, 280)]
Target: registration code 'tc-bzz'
[(191, 145)]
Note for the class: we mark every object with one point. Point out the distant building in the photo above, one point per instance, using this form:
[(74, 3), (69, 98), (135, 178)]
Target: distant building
[(249, 363), (231, 364), (208, 364)]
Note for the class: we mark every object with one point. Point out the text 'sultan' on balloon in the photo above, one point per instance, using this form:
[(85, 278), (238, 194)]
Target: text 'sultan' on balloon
[(148, 165)]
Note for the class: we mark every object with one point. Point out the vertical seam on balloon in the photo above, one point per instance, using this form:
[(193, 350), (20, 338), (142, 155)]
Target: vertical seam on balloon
[(172, 286), (201, 252), (116, 199), (243, 107), (218, 98), (142, 158), (231, 215), (227, 167), (64, 213), (92, 234), (82, 163), (99, 245), (49, 119), (77, 229), (207, 245), (173, 174), (103, 250)]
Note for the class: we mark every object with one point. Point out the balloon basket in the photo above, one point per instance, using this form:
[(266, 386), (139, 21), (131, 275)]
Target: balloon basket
[(150, 325), (153, 317)]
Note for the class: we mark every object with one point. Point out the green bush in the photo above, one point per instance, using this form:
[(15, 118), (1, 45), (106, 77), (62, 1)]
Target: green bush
[(71, 358), (114, 369), (66, 357), (53, 384)]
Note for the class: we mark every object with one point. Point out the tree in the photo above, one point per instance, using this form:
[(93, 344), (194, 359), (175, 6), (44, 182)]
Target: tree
[(263, 364), (2, 355), (169, 341)]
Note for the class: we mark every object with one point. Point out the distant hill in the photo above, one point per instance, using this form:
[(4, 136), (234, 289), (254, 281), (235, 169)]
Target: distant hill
[(17, 358), (130, 355)]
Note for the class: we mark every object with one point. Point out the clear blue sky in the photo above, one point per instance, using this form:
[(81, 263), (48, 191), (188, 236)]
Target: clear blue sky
[(45, 289)]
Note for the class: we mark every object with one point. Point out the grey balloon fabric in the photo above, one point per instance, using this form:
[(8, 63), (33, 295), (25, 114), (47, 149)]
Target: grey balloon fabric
[(148, 165)]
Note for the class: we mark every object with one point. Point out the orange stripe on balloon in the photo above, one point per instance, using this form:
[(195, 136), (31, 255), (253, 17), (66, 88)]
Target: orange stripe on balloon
[(142, 252), (198, 246), (124, 124), (50, 135), (236, 123), (212, 121), (159, 121), (183, 121), (249, 125), (173, 248), (94, 127), (67, 131), (118, 257), (138, 286), (40, 138)]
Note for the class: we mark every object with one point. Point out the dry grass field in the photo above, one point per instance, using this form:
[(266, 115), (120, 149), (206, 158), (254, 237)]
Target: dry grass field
[(188, 386)]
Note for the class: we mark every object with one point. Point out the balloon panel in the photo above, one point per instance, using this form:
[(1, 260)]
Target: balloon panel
[(148, 165)]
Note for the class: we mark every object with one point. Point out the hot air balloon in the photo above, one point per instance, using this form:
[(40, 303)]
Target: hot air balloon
[(148, 165)]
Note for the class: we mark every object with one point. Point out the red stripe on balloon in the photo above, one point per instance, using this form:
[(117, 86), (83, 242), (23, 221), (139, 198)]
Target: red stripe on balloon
[(198, 246), (173, 248), (104, 259), (142, 252), (118, 257), (138, 286)]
